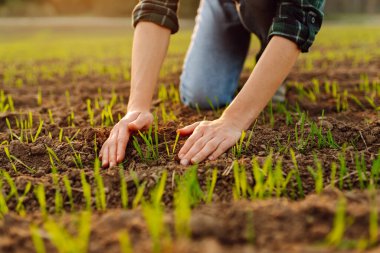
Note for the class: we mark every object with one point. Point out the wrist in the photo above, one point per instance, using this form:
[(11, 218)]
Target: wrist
[(138, 106), (241, 119)]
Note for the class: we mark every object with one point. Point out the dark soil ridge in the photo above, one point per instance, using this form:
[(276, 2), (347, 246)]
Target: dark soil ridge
[(270, 226)]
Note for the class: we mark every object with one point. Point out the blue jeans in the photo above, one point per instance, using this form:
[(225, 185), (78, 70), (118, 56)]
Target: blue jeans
[(218, 49)]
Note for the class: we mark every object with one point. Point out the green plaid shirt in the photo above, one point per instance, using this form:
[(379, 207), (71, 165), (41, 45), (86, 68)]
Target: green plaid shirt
[(296, 20)]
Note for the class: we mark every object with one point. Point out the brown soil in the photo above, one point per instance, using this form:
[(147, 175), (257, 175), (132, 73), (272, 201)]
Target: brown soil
[(289, 224)]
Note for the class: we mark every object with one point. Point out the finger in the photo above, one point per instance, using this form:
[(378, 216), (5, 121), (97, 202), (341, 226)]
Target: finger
[(101, 152), (189, 143), (195, 148), (105, 162), (122, 142), (208, 149), (223, 147), (113, 148), (187, 130), (142, 121)]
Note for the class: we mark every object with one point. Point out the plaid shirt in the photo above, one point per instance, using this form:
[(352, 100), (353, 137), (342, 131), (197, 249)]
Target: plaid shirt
[(296, 20)]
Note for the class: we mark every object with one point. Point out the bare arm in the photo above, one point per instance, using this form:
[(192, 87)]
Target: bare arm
[(271, 70), (150, 46), (212, 138)]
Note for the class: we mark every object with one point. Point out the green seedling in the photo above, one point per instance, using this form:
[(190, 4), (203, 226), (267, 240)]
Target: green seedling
[(334, 89), (151, 152), (361, 168), (39, 129), (237, 149), (107, 116), (51, 118), (139, 195), (154, 214), (375, 170), (77, 156), (343, 170), (12, 185), (333, 174), (125, 243), (317, 175), (100, 194), (248, 142), (364, 84), (211, 186), (297, 174), (281, 108), (7, 153), (38, 242), (356, 101), (162, 93), (68, 98), (174, 94), (90, 112), (58, 199), (11, 103), (166, 117), (123, 189), (13, 159), (323, 140), (41, 198), (69, 191), (9, 127), (371, 101), (301, 142), (167, 146), (86, 190), (240, 189), (70, 119), (60, 136), (4, 106), (20, 202), (316, 85), (39, 96), (336, 235), (66, 243), (373, 217), (188, 194), (3, 203)]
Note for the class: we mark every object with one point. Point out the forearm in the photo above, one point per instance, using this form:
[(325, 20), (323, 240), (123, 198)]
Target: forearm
[(150, 46), (269, 73)]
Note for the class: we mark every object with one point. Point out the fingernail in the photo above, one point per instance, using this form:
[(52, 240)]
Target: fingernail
[(111, 164), (184, 162), (211, 158), (180, 156)]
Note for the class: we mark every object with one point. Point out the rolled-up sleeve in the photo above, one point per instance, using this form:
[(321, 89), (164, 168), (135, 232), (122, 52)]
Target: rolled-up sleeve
[(160, 12), (298, 21)]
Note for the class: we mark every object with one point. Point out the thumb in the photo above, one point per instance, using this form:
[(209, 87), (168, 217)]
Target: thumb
[(187, 130), (143, 120)]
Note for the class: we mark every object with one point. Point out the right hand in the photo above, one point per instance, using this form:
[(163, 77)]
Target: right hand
[(113, 149)]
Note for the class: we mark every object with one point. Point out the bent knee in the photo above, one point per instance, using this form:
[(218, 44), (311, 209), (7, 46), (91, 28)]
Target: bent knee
[(204, 97)]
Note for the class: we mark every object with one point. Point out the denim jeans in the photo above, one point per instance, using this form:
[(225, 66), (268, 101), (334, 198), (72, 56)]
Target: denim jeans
[(218, 49)]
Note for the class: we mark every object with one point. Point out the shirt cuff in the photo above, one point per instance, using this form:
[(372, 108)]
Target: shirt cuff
[(301, 31), (160, 15)]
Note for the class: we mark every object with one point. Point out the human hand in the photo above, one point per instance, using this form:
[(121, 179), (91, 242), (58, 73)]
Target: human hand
[(113, 149), (208, 139)]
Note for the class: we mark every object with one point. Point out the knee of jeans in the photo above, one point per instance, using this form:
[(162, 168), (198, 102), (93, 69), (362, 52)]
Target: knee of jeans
[(203, 97)]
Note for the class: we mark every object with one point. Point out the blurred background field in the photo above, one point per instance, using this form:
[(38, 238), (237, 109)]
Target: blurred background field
[(124, 7)]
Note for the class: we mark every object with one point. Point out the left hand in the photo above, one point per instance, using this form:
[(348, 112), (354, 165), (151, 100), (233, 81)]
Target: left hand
[(209, 139)]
